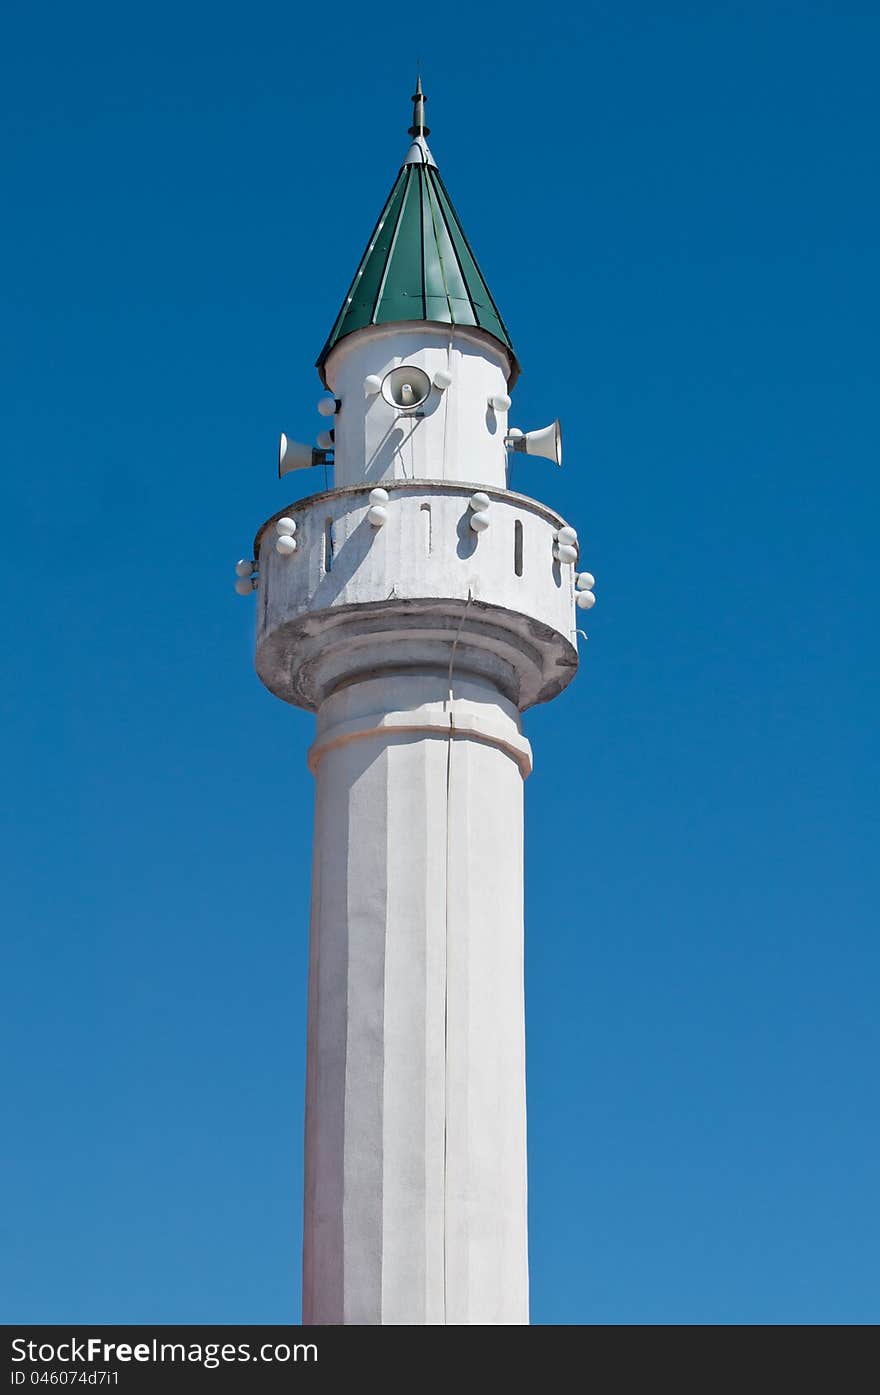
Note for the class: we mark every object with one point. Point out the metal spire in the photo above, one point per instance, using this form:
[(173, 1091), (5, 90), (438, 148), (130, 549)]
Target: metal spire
[(418, 128)]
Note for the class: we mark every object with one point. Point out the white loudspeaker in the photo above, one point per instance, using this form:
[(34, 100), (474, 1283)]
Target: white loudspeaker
[(406, 387), (293, 455), (546, 442)]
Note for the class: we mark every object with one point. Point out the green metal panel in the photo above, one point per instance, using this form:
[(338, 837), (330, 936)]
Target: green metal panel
[(401, 295), (437, 294), (484, 307), (418, 265), (458, 303)]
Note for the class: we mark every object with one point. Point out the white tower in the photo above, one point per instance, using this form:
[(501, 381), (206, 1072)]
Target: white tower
[(418, 608)]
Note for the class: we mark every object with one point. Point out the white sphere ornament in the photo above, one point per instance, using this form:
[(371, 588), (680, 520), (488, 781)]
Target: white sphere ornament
[(327, 406), (285, 527), (325, 440), (479, 501), (586, 581), (372, 385), (378, 516), (567, 536), (378, 496), (244, 585), (244, 567), (586, 600), (442, 379), (500, 402), (566, 553), (286, 545), (479, 521)]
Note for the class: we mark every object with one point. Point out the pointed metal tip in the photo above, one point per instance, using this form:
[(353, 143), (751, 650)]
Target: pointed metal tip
[(418, 128)]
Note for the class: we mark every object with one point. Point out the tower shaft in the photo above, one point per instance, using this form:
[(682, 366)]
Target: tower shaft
[(415, 1198)]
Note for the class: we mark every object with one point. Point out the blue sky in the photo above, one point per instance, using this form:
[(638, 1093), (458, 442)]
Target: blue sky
[(676, 209)]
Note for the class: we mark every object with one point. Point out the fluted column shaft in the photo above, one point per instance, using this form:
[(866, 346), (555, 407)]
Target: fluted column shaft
[(415, 1196)]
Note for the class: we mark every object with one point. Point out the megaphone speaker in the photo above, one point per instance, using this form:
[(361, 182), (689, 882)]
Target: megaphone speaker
[(293, 455), (546, 442), (406, 387)]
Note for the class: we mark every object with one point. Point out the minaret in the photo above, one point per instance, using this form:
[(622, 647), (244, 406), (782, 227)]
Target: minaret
[(418, 608)]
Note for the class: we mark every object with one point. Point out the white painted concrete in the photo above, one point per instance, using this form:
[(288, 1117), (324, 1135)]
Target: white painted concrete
[(405, 585), (415, 1206), (454, 436)]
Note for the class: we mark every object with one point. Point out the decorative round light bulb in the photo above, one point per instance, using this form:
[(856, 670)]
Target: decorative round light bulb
[(285, 526), (499, 402), (244, 585), (586, 581), (244, 567), (567, 535), (479, 521), (286, 545), (378, 516), (585, 600), (327, 406), (372, 385), (566, 553), (479, 502), (442, 379), (378, 496), (325, 440)]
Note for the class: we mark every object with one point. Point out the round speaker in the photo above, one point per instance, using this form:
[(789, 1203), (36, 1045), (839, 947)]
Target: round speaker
[(406, 387)]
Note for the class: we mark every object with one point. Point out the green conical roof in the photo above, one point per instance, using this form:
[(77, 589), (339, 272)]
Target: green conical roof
[(418, 264)]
